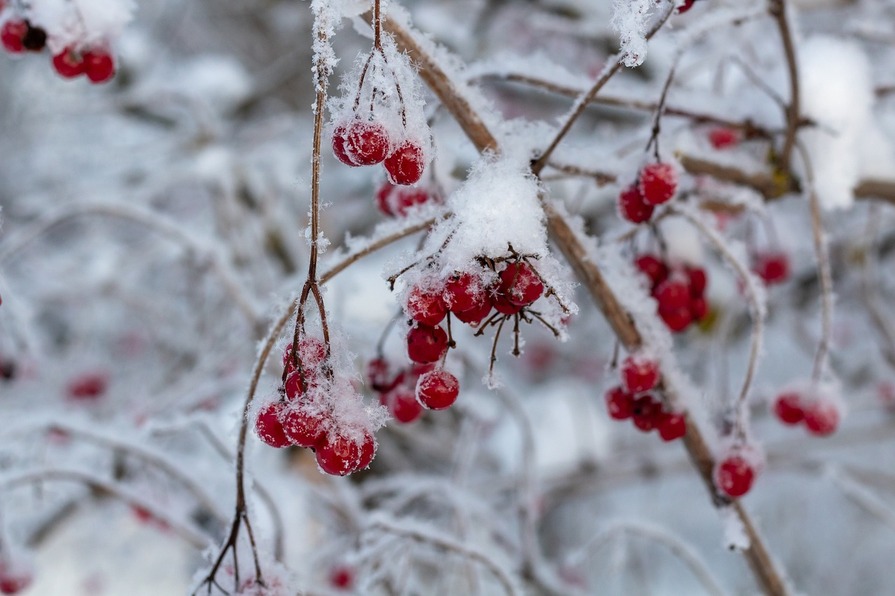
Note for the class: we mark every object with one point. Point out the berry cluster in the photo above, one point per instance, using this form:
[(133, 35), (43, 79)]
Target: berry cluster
[(366, 142), (734, 474), (406, 392), (771, 266), (820, 416), (679, 291), (94, 61), (656, 184), (396, 201), (632, 399), (302, 416)]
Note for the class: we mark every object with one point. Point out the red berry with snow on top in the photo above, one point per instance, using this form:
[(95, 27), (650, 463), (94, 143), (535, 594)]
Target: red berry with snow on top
[(405, 164), (734, 475), (657, 183), (437, 389)]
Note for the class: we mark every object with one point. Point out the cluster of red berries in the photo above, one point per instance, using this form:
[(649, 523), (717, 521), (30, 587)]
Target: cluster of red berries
[(633, 400), (301, 417), (13, 578), (408, 391), (679, 291), (734, 474), (771, 266), (820, 416), (396, 201), (656, 184), (19, 35), (366, 142)]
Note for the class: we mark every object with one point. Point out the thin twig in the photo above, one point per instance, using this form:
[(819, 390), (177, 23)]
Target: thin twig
[(777, 9)]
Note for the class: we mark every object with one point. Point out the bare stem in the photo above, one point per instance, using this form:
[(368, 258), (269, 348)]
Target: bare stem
[(777, 8)]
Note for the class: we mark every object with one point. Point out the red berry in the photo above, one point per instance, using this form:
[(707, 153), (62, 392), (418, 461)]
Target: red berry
[(341, 577), (35, 38), (788, 408), (311, 352), (476, 314), (303, 425), (639, 373), (339, 455), (646, 412), (821, 418), (672, 426), (268, 426), (772, 267), (673, 293), (676, 319), (366, 142), (619, 403), (367, 451), (398, 200), (698, 281), (721, 137), (68, 63), (426, 306), (294, 386), (653, 268), (734, 475), (379, 375), (340, 137), (520, 284), (402, 404), (405, 164), (88, 387), (463, 292), (699, 308), (502, 304), (13, 580), (687, 5), (426, 344), (658, 183), (12, 35), (633, 207), (99, 66), (437, 389)]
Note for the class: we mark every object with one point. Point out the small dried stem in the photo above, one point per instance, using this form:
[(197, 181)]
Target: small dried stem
[(777, 9)]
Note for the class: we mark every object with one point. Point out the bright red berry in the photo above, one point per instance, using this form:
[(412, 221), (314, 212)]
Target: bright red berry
[(698, 281), (699, 308), (639, 373), (426, 306), (676, 319), (672, 426), (99, 66), (365, 142), (788, 408), (367, 451), (340, 150), (339, 455), (88, 387), (437, 389), (12, 35), (658, 183), (633, 207), (69, 63), (520, 284), (268, 426), (464, 292), (646, 412), (734, 476), (341, 577), (771, 267), (303, 425), (402, 404), (673, 293), (821, 418), (721, 137), (405, 164), (476, 314), (426, 344), (398, 200), (619, 403), (294, 386), (653, 267)]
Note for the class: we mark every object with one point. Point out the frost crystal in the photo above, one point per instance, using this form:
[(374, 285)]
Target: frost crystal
[(629, 18)]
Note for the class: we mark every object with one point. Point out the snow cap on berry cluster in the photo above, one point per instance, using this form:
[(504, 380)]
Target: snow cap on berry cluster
[(80, 23), (629, 19)]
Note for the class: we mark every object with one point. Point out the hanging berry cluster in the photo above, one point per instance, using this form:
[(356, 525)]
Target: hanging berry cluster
[(656, 184), (634, 400), (820, 414), (318, 410), (70, 59), (678, 290)]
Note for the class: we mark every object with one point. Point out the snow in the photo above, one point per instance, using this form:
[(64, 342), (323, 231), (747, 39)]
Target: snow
[(630, 19), (81, 22)]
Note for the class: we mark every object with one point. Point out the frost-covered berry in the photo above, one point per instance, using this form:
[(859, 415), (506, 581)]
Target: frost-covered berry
[(69, 63), (619, 403), (405, 164), (426, 306), (657, 183), (379, 375), (99, 66), (646, 412), (653, 267), (426, 343), (633, 207), (734, 475), (503, 305), (463, 292), (672, 426), (12, 35), (268, 426), (294, 386), (821, 418), (311, 352), (341, 577), (437, 389), (722, 137), (339, 140), (303, 425), (788, 408), (88, 386), (366, 142), (639, 373), (476, 314), (520, 284), (339, 455), (396, 201), (367, 452), (771, 267), (402, 404)]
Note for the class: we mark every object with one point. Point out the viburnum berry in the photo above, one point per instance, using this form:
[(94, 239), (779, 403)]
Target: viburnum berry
[(698, 280), (676, 319), (639, 373), (35, 38), (437, 389), (619, 403), (721, 137), (99, 66), (821, 418), (12, 579), (788, 408), (771, 267), (734, 475), (687, 5), (699, 308), (339, 455), (646, 412), (293, 387), (268, 426), (366, 142), (426, 306), (502, 304), (367, 452), (673, 293), (476, 314), (426, 343), (398, 200), (402, 404), (69, 63), (657, 183), (12, 35), (520, 284), (379, 375), (463, 292), (303, 425), (341, 577), (88, 387), (339, 144), (633, 207), (653, 267), (405, 164), (672, 426)]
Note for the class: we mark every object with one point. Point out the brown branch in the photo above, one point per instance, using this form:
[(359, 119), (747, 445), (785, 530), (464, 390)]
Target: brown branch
[(777, 9)]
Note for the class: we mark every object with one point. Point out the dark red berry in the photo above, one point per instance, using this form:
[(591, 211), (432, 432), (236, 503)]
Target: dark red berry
[(339, 455), (463, 292), (12, 580), (398, 200), (687, 5), (437, 389), (721, 137), (426, 306), (426, 344), (341, 577), (35, 38), (672, 426), (619, 403), (476, 314), (268, 426), (734, 475), (658, 183), (367, 451), (303, 424), (520, 284), (340, 138), (639, 373), (69, 63), (653, 268), (405, 164), (294, 386), (698, 281), (633, 207), (379, 375), (502, 304), (788, 408), (771, 267), (699, 308), (821, 418), (366, 142), (12, 35), (402, 404), (99, 66), (646, 412), (88, 387)]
